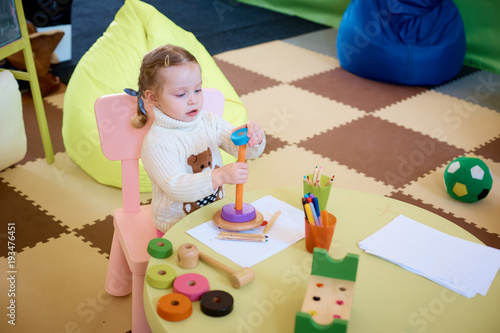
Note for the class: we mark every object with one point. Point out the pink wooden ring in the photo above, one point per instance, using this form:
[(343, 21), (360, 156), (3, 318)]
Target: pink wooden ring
[(192, 285)]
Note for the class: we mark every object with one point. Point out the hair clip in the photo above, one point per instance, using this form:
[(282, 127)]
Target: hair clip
[(167, 60), (135, 93)]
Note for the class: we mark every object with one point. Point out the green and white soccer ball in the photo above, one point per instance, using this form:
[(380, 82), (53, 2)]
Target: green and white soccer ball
[(468, 179)]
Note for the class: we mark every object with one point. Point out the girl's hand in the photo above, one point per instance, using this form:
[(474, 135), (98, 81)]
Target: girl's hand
[(232, 173), (254, 132)]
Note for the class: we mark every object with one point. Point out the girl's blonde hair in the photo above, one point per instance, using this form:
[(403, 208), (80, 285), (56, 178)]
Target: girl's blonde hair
[(162, 57)]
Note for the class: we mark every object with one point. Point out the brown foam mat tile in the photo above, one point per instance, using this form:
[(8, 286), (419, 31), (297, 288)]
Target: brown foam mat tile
[(99, 234), (490, 150), (60, 288), (363, 94), (293, 114), (382, 150), (446, 118), (29, 224), (280, 61), (242, 80), (488, 238), (273, 144)]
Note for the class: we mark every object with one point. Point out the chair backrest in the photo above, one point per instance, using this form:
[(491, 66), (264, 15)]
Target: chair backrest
[(120, 141)]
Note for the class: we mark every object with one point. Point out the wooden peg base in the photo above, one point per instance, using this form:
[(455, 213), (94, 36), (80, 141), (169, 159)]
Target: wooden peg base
[(238, 226)]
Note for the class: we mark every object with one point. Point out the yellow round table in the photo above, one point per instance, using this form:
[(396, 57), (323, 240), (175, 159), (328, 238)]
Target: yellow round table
[(387, 298)]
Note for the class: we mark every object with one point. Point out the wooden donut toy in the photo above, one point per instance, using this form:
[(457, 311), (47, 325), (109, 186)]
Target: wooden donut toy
[(174, 307), (192, 285), (216, 303), (160, 248), (160, 276)]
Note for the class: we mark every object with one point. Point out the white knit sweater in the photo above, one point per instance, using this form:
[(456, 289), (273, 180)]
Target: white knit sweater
[(179, 158)]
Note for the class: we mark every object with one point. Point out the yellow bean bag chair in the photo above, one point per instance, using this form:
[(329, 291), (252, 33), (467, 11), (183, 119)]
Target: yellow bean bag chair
[(111, 65)]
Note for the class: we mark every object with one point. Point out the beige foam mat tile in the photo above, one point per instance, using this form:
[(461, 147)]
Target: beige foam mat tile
[(287, 167), (446, 118), (280, 61), (284, 111), (60, 288), (71, 186), (485, 213)]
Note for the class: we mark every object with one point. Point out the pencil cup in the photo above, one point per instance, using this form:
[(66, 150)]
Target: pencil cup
[(320, 236), (321, 192)]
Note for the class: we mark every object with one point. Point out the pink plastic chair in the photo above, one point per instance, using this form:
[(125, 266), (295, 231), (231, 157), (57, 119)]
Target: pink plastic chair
[(132, 223)]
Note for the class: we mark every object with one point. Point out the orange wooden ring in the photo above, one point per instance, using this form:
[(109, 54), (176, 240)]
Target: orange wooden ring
[(174, 307)]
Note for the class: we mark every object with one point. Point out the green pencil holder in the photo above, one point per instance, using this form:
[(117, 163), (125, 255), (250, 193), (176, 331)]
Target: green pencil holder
[(321, 192)]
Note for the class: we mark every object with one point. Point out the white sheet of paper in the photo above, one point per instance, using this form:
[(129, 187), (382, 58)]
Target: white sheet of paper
[(286, 230), (463, 266)]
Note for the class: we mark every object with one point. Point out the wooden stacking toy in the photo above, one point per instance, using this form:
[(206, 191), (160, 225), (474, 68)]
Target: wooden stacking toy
[(239, 216)]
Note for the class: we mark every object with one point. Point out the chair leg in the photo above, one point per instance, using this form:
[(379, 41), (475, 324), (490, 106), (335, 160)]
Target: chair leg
[(139, 321), (119, 277)]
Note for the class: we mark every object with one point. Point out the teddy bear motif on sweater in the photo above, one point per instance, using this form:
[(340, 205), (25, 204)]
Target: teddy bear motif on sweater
[(199, 163)]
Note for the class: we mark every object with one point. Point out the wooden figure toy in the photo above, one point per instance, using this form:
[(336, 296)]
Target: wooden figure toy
[(328, 299), (239, 216)]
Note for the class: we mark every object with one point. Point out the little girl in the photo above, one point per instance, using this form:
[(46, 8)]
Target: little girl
[(181, 153)]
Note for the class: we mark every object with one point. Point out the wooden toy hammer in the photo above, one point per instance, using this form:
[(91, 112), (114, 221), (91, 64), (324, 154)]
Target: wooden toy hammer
[(188, 257)]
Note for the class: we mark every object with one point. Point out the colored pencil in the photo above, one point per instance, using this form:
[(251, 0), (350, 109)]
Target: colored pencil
[(324, 218), (271, 222), (314, 215), (243, 239), (309, 215), (241, 234), (316, 207), (315, 175), (318, 178)]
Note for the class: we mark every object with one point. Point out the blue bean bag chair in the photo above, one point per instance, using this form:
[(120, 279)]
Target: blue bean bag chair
[(410, 42)]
